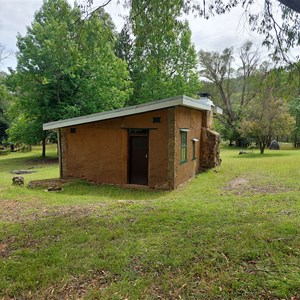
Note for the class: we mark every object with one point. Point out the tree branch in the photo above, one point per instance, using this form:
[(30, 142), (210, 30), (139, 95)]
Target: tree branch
[(276, 26), (4, 54), (292, 4), (90, 14)]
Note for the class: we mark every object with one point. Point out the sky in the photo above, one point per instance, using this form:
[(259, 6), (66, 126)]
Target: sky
[(214, 34)]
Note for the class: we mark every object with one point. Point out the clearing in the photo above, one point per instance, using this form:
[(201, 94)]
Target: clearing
[(231, 233)]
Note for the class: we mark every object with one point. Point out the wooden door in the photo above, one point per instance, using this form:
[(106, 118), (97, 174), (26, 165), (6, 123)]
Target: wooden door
[(138, 158)]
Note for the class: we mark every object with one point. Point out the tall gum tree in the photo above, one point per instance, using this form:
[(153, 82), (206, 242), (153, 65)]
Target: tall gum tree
[(277, 20), (232, 89), (163, 61)]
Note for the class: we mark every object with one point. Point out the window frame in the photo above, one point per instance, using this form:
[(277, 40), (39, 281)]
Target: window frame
[(194, 141), (183, 145)]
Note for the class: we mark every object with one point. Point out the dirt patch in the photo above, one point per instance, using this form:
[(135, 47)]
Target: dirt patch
[(46, 183), (236, 183), (5, 246), (242, 185), (14, 211), (72, 210), (77, 287), (4, 249)]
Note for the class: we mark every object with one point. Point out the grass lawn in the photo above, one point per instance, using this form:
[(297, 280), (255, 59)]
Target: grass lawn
[(231, 233)]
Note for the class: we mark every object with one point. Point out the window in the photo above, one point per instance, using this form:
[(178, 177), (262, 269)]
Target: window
[(194, 148), (156, 119), (183, 145)]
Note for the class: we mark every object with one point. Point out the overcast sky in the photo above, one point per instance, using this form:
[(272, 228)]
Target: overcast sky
[(214, 34)]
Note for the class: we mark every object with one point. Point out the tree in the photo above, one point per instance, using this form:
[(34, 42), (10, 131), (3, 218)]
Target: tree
[(124, 47), (233, 89), (294, 89), (285, 82), (295, 111), (219, 5), (267, 117), (5, 98), (66, 67), (281, 30), (158, 49), (277, 20)]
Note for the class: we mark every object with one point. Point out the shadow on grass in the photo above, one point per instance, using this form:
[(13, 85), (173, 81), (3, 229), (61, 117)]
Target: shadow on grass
[(113, 192), (30, 160), (258, 155), (80, 190)]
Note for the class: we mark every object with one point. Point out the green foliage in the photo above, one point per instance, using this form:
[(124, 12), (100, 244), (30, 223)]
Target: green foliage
[(6, 99), (23, 130), (279, 23), (157, 46), (285, 82), (268, 116), (124, 47), (295, 111), (66, 68)]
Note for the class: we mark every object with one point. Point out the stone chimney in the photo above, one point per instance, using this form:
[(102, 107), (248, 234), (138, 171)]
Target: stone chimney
[(205, 98), (210, 140)]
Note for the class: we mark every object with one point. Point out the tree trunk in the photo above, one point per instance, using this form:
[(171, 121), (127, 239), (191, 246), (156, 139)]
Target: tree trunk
[(262, 147), (262, 150), (44, 147), (296, 141), (238, 143)]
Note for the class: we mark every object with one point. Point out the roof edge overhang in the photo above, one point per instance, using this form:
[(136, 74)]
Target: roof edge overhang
[(217, 110), (131, 110)]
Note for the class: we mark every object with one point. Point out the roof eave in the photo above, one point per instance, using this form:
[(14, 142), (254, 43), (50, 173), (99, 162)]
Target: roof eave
[(217, 110), (132, 110)]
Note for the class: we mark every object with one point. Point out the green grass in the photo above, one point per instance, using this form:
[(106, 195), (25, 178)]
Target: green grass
[(231, 233)]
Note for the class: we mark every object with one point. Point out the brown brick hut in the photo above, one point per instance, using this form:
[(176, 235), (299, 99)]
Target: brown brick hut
[(159, 144)]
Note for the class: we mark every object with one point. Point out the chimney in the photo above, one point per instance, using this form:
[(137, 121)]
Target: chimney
[(205, 99)]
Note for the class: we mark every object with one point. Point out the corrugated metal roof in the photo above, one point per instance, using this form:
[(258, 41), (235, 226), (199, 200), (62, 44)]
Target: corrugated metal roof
[(185, 101)]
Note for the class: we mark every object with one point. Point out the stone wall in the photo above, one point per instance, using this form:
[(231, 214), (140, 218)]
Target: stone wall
[(210, 150)]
